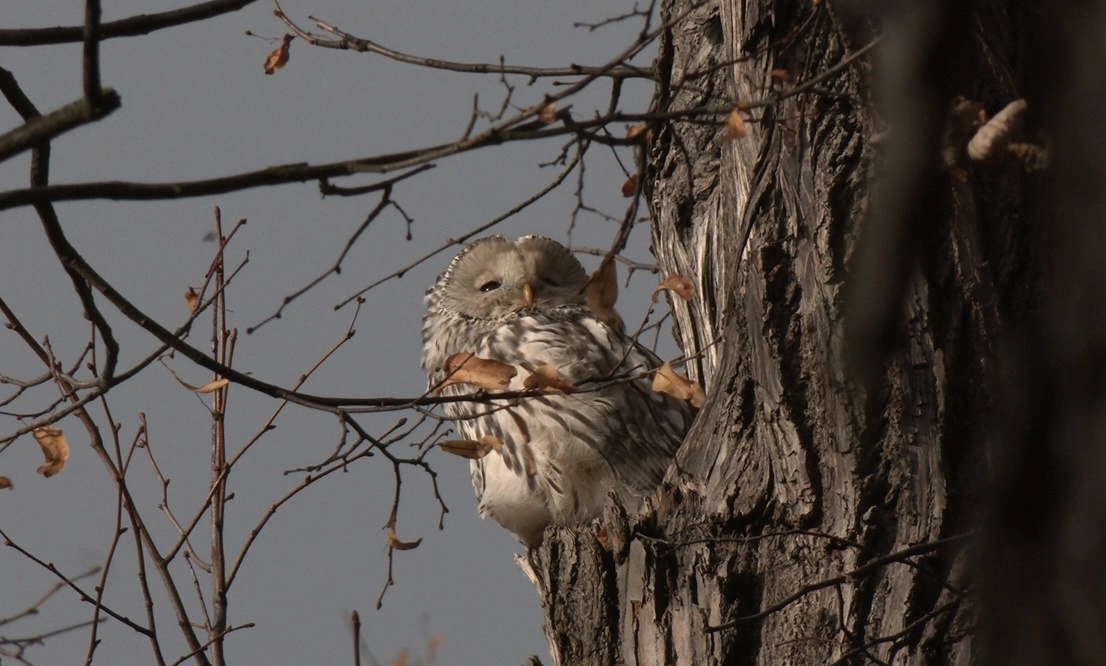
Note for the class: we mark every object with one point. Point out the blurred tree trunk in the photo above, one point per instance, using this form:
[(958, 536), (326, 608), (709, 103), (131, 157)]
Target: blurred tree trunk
[(822, 508)]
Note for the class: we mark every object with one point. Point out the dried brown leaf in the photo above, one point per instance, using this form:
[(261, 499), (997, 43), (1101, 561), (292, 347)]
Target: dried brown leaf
[(629, 188), (192, 298), (601, 293), (279, 57), (601, 537), (735, 127), (678, 285), (5, 483), (1030, 156), (213, 385), (472, 449), (668, 381), (547, 113), (963, 119), (637, 130), (991, 139), (395, 544), (547, 379), (54, 447), (466, 368), (781, 74)]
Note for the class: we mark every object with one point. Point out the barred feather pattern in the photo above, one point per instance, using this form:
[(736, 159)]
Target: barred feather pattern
[(561, 452)]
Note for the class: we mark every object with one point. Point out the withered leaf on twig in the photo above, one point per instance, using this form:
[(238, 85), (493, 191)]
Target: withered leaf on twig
[(629, 188), (211, 386), (192, 298), (54, 448), (601, 293), (395, 544), (990, 140), (668, 381), (472, 449), (781, 74), (735, 127), (678, 285), (547, 113), (638, 130), (546, 378), (466, 368), (279, 57)]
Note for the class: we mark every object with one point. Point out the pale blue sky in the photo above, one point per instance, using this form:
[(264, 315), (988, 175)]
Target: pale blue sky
[(195, 104)]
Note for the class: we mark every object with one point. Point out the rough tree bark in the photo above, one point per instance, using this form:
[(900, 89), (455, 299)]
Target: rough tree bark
[(821, 509)]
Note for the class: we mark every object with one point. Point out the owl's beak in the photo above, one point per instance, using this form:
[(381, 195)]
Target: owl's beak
[(527, 295)]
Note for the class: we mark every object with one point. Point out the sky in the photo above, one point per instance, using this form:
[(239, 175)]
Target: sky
[(195, 104)]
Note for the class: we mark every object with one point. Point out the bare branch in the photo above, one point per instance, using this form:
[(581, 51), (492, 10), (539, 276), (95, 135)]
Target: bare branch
[(141, 24), (346, 42), (37, 128)]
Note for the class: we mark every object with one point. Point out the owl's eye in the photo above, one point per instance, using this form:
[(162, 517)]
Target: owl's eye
[(490, 285), (550, 282)]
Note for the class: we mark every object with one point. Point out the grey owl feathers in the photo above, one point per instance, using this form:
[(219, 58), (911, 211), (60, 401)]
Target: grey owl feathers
[(521, 303)]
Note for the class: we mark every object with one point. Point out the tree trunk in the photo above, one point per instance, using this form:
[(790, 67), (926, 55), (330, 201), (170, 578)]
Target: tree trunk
[(818, 511)]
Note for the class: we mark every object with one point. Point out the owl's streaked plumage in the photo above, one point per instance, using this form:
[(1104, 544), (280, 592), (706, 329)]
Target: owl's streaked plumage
[(521, 302)]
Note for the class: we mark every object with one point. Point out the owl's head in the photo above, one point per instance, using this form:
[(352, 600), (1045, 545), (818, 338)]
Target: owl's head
[(495, 276)]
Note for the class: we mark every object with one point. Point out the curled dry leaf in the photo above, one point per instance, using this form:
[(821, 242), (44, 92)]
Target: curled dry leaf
[(545, 378), (963, 119), (547, 113), (279, 57), (395, 544), (54, 447), (629, 188), (466, 368), (192, 298), (601, 293), (213, 386), (639, 130), (735, 127), (473, 449), (668, 381), (991, 139), (678, 285), (1030, 156), (5, 483)]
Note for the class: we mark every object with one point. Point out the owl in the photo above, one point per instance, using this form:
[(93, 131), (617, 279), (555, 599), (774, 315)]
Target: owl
[(522, 303)]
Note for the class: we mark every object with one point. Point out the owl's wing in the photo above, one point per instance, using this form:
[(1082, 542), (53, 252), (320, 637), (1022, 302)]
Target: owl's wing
[(615, 412)]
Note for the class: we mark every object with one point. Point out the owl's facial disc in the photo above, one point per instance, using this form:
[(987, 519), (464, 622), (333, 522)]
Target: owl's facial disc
[(501, 289)]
